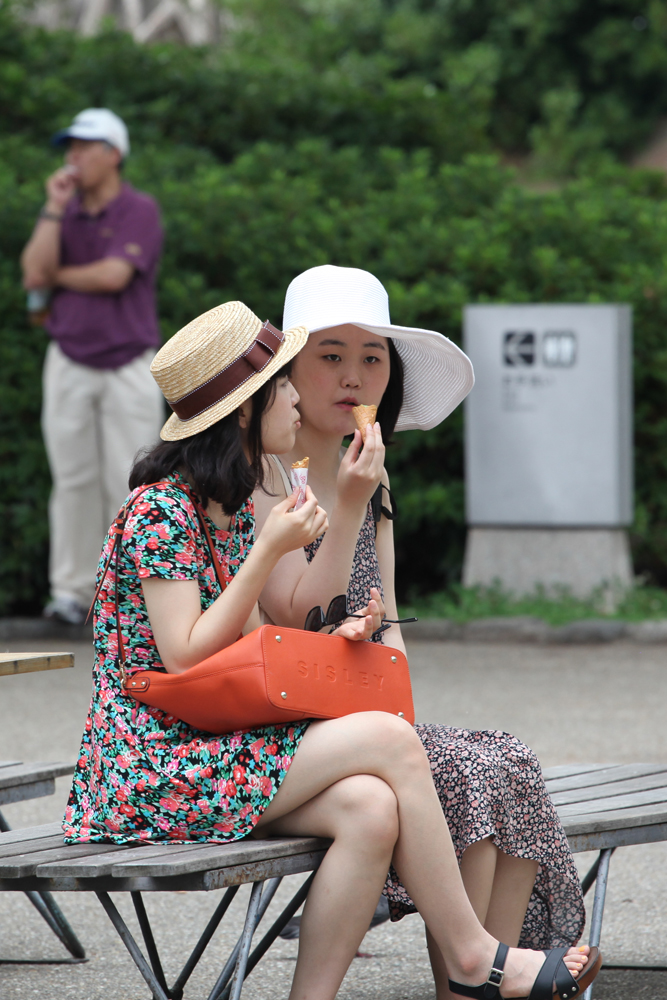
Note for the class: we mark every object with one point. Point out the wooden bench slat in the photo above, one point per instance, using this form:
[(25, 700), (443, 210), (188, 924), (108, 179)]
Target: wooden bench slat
[(649, 833), (102, 864), (202, 881), (32, 790), (23, 774), (209, 856), (610, 789), (259, 870), (25, 847), (652, 796), (26, 864), (617, 772), (29, 833), (565, 770), (615, 819)]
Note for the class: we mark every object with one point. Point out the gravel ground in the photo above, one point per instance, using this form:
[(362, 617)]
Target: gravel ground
[(575, 703)]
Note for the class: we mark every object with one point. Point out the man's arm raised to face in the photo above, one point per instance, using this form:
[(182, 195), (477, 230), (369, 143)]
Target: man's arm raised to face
[(41, 257)]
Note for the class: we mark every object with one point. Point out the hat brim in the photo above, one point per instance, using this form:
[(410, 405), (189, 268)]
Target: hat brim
[(74, 132), (176, 429), (437, 374)]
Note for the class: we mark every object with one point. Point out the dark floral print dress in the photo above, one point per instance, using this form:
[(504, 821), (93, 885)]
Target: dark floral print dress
[(490, 785), (142, 774)]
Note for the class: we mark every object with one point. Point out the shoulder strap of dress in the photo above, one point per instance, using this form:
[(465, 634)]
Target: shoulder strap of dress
[(119, 528), (283, 473), (378, 507)]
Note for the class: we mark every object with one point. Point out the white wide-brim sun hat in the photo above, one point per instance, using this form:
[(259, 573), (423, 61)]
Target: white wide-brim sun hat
[(437, 374)]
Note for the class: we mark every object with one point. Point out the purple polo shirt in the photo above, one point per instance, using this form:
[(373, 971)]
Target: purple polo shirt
[(109, 329)]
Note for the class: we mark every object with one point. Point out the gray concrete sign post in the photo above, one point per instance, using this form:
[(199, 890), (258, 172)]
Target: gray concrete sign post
[(548, 445)]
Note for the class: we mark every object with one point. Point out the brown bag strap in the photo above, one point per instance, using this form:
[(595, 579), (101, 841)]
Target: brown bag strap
[(119, 528)]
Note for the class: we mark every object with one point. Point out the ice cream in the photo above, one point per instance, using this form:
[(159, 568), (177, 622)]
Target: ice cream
[(364, 415), (299, 477)]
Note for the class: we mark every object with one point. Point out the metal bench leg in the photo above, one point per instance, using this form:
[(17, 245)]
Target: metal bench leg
[(275, 929), (149, 940), (47, 907), (598, 906), (197, 952), (232, 962), (50, 912), (132, 946), (251, 921)]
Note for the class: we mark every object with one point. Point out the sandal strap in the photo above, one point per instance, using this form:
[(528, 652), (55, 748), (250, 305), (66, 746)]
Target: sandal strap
[(490, 990), (554, 971)]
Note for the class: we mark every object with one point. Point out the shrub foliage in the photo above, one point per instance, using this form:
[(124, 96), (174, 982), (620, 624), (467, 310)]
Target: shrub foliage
[(228, 143)]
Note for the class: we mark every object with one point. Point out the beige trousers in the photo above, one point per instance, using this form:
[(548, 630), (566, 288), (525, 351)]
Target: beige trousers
[(94, 422)]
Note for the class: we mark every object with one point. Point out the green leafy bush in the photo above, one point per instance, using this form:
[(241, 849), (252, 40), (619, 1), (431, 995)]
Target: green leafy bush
[(438, 236), (464, 604), (574, 80), (243, 217)]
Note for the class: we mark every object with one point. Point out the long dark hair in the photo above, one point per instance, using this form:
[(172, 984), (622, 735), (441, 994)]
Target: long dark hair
[(392, 400), (214, 460)]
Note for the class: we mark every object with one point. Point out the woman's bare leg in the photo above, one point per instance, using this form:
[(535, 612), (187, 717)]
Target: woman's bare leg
[(499, 888), (512, 887), (382, 745), (360, 813)]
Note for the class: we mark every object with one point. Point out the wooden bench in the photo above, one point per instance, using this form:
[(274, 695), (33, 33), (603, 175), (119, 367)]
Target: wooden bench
[(606, 806), (19, 782), (602, 807), (36, 860)]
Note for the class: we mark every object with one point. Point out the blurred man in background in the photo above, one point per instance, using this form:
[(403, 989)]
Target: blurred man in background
[(95, 248)]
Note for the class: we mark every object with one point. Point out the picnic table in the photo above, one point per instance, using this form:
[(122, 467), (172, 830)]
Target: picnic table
[(19, 781), (26, 663)]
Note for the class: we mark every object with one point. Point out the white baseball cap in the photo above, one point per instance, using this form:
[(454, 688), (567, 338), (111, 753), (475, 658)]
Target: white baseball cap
[(97, 124), (438, 375)]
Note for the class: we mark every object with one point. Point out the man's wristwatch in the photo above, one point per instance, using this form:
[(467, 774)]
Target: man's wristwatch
[(45, 214)]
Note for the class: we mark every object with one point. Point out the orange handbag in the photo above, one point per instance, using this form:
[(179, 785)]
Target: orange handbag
[(273, 675)]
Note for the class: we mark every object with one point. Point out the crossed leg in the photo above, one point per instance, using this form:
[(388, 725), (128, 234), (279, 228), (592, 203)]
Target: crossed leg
[(407, 820), (360, 814), (499, 888)]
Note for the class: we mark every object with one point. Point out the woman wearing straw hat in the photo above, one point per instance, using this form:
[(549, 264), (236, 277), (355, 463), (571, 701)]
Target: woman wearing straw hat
[(363, 780), (485, 780)]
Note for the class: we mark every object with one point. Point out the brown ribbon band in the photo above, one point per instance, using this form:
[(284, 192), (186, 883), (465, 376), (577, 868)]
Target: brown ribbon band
[(257, 357)]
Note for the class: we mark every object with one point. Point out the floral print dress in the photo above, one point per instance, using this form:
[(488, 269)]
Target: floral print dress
[(142, 774), (490, 784)]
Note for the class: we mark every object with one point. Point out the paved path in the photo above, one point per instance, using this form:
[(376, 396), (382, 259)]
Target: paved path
[(602, 703)]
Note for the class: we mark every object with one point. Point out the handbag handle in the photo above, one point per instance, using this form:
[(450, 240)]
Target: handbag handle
[(119, 527)]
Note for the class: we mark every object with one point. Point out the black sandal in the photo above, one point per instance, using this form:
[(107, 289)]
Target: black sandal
[(553, 980)]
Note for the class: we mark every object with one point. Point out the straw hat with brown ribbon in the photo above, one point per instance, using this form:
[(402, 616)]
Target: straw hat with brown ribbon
[(216, 362)]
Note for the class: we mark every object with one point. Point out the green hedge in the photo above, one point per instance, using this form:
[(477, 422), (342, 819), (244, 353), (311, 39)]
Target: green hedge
[(411, 96), (438, 236), (573, 80)]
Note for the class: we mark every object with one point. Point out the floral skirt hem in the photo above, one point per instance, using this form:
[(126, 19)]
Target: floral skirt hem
[(491, 785), (195, 788)]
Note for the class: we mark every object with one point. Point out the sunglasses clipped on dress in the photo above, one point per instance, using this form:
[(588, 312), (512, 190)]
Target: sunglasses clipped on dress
[(338, 611)]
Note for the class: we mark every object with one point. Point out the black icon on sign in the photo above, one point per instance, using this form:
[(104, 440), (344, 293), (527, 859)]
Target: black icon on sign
[(519, 348), (559, 348)]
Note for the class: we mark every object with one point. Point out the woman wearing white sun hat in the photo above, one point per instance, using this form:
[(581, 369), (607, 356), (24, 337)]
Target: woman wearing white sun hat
[(416, 377)]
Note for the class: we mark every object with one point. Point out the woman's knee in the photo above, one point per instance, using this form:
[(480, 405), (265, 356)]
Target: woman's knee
[(390, 731), (399, 742), (367, 810)]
